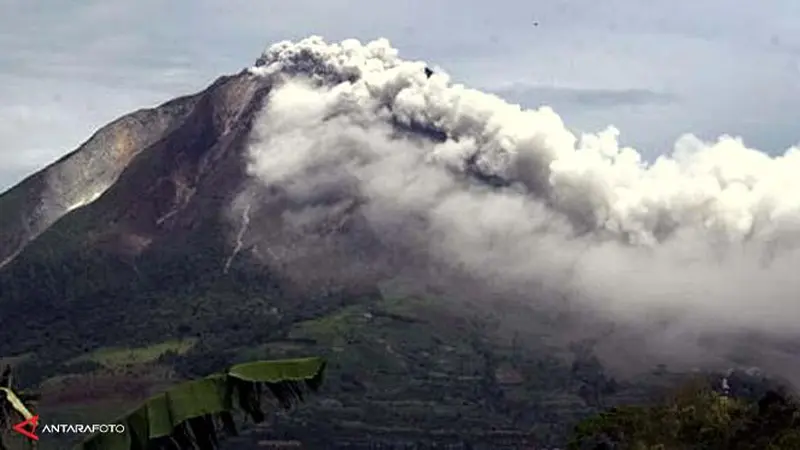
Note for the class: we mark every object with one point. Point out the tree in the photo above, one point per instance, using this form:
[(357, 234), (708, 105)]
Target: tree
[(696, 417), (189, 415)]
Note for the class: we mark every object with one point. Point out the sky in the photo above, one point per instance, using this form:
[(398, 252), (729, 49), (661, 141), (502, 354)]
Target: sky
[(654, 70)]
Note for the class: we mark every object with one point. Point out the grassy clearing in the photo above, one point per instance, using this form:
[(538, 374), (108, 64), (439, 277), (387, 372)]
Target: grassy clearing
[(114, 357), (15, 360), (332, 328)]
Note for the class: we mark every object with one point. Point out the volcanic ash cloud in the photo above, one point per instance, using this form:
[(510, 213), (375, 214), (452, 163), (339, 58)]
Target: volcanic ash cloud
[(512, 196)]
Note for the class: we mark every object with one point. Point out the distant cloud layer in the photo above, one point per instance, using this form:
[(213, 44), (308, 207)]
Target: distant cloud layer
[(712, 67), (586, 98)]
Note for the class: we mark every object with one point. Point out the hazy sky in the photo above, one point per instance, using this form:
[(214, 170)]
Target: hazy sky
[(653, 69)]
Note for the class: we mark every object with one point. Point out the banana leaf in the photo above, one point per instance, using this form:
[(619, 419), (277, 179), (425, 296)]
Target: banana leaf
[(15, 403), (189, 415), (11, 403)]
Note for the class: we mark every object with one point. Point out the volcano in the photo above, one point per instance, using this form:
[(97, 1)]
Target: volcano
[(335, 200)]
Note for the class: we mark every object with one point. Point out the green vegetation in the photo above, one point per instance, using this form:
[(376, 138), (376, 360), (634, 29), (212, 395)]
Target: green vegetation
[(188, 415), (115, 357), (696, 418), (13, 406)]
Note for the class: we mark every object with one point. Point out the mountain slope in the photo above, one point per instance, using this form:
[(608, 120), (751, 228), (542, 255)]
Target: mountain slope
[(163, 207), (80, 177)]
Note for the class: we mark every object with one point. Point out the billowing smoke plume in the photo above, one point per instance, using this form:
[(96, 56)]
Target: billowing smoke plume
[(709, 234)]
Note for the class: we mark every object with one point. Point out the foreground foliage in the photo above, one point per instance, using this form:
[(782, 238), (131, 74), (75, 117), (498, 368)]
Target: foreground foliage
[(189, 415), (696, 417), (12, 406)]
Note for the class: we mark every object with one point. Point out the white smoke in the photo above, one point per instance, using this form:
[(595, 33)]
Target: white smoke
[(512, 196)]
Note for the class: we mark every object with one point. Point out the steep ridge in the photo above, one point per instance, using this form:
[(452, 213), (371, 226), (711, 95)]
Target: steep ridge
[(169, 192), (28, 209), (192, 124)]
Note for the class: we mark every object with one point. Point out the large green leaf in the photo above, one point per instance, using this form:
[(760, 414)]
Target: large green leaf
[(16, 403), (188, 415), (12, 404)]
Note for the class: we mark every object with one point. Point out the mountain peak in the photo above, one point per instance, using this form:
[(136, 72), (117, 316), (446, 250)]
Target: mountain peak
[(184, 135)]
